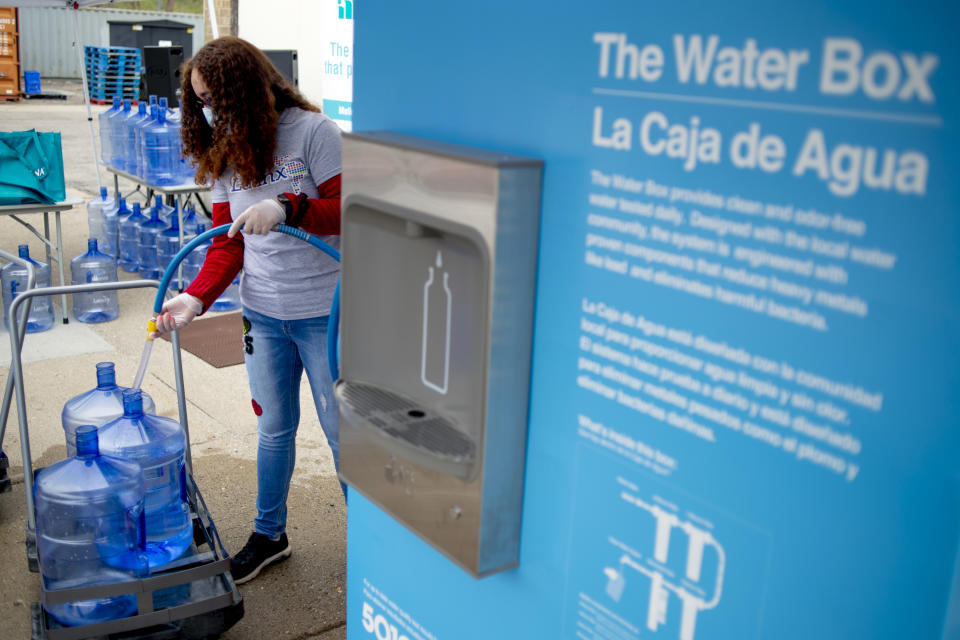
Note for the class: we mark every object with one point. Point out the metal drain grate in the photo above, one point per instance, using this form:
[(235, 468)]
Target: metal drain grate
[(405, 420)]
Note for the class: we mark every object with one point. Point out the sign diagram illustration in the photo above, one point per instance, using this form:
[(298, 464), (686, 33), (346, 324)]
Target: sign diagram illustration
[(435, 349), (663, 581)]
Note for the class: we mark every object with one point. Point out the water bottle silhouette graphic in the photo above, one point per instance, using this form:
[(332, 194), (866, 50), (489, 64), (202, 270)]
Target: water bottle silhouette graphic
[(435, 351)]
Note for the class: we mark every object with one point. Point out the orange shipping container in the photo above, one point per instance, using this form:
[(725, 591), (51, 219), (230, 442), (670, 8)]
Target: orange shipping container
[(8, 46), (9, 79), (8, 19)]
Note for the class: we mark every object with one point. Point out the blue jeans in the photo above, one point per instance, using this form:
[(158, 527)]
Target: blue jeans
[(276, 354)]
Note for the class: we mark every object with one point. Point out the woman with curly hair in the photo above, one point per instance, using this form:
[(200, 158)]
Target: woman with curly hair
[(272, 158)]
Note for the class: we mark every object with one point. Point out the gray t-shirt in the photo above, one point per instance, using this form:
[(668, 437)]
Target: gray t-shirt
[(284, 277)]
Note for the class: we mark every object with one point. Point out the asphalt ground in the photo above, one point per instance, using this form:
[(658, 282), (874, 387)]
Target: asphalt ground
[(301, 598)]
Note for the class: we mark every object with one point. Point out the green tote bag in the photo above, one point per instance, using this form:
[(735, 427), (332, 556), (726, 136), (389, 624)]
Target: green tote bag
[(31, 167)]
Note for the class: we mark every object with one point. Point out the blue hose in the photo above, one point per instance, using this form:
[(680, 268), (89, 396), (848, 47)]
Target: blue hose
[(333, 331)]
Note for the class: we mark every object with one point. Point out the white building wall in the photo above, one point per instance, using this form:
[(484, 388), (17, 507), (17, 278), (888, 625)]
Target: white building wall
[(322, 33)]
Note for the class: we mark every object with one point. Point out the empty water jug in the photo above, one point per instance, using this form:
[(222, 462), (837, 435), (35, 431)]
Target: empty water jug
[(117, 158), (109, 238), (129, 136), (188, 222), (147, 245), (13, 279), (95, 213), (158, 445), (129, 260), (90, 267), (168, 244), (98, 406), (182, 167), (90, 530), (194, 260), (165, 211), (229, 300), (106, 146), (161, 144), (138, 135)]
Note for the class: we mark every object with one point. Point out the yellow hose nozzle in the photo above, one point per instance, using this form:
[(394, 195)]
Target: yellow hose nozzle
[(151, 329)]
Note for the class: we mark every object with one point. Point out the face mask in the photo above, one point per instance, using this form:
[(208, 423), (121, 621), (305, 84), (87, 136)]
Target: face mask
[(209, 115)]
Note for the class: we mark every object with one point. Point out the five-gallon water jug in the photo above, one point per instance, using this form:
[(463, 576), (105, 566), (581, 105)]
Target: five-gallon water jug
[(160, 150), (86, 268), (164, 210), (98, 406), (95, 213), (90, 530), (129, 260), (138, 134), (13, 279), (158, 445), (109, 239), (189, 221), (117, 158), (168, 244), (147, 245), (194, 260), (229, 300), (106, 148), (184, 170), (130, 136)]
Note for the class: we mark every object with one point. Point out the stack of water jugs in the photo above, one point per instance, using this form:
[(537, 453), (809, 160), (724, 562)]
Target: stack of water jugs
[(116, 509), (145, 142)]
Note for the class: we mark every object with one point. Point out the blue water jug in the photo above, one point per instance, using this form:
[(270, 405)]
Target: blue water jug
[(13, 279), (95, 213), (160, 150), (98, 406), (130, 137), (94, 266), (164, 210), (147, 245), (109, 238), (138, 135), (189, 221), (168, 244), (229, 300), (118, 159), (183, 168), (158, 445), (90, 529), (129, 260), (194, 260), (106, 146)]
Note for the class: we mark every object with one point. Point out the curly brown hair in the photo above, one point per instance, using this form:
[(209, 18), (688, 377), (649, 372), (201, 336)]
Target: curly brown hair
[(248, 95)]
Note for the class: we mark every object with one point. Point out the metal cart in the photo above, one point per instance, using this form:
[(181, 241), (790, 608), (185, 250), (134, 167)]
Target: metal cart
[(214, 603)]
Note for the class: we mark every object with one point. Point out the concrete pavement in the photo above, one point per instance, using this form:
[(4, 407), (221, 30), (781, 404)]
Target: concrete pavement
[(302, 598)]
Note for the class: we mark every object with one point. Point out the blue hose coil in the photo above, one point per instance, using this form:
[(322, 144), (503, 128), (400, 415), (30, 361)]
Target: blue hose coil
[(333, 332)]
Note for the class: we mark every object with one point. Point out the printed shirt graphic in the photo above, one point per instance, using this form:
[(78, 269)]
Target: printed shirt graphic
[(284, 277)]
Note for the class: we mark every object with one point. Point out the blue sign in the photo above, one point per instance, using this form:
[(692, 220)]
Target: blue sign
[(745, 370)]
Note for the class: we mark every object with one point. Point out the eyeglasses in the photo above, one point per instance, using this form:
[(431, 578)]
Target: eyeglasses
[(205, 101)]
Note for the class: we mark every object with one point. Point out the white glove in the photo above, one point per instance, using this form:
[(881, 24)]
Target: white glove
[(259, 218), (176, 313)]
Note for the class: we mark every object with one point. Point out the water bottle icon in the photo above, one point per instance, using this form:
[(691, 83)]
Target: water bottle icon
[(435, 350)]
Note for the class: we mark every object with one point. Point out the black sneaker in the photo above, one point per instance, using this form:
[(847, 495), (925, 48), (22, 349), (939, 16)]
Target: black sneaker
[(259, 552)]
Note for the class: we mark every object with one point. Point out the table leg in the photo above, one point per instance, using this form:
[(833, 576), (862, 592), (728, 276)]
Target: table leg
[(63, 296), (180, 204)]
